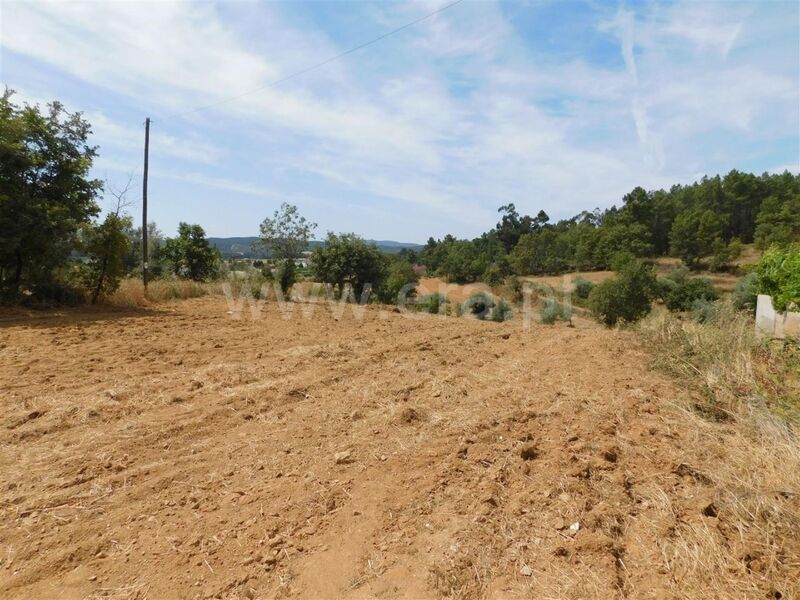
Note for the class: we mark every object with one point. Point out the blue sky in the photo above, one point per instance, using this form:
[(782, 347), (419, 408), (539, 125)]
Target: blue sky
[(553, 105)]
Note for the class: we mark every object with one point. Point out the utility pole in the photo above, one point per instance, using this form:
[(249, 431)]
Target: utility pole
[(144, 201)]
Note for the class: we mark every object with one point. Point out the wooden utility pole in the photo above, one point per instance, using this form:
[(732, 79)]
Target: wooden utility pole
[(144, 201)]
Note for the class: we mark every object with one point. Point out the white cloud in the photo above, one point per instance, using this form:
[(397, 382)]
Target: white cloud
[(389, 123)]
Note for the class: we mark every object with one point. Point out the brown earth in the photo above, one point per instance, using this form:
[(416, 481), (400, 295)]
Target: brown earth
[(177, 453)]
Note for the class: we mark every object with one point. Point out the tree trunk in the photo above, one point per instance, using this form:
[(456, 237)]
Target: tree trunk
[(100, 281)]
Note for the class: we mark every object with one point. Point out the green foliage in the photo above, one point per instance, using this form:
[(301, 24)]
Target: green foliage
[(583, 288), (683, 296), (664, 286), (493, 276), (778, 221), (552, 311), (703, 310), (500, 311), (778, 275), (432, 303), (155, 245), (347, 259), (516, 288), (625, 298), (679, 273), (695, 234), (190, 254), (745, 294), (724, 254), (52, 293), (398, 281), (286, 275), (46, 195), (106, 245), (286, 234)]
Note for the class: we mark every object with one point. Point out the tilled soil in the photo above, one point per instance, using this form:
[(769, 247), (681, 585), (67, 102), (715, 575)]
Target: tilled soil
[(178, 453)]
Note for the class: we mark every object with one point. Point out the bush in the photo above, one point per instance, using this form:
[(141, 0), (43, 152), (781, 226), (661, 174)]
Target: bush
[(703, 311), (479, 305), (348, 259), (778, 274), (684, 295), (664, 286), (287, 275), (485, 306), (516, 288), (500, 312), (626, 297), (583, 287), (55, 293), (745, 294), (432, 303), (493, 275), (552, 311), (399, 274), (679, 273)]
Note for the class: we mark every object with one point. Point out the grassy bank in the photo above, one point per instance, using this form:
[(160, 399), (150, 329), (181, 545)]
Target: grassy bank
[(742, 403)]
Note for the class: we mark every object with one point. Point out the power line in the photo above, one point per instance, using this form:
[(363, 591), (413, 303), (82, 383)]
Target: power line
[(317, 65)]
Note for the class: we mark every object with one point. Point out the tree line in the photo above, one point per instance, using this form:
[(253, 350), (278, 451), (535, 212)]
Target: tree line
[(707, 221), (54, 244)]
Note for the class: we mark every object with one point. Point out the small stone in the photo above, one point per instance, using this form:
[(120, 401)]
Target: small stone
[(526, 571), (342, 457), (574, 527)]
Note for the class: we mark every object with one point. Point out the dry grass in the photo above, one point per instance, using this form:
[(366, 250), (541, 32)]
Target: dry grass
[(743, 404), (131, 292)]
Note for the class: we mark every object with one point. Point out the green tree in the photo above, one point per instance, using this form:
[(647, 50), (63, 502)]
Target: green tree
[(191, 255), (286, 235), (398, 275), (625, 298), (684, 295), (46, 194), (106, 246), (695, 234), (778, 275), (778, 221), (346, 259)]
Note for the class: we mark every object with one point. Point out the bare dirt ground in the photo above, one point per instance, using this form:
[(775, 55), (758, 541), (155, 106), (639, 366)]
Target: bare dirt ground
[(177, 453)]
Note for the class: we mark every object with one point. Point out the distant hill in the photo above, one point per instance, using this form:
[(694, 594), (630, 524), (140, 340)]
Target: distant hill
[(242, 247)]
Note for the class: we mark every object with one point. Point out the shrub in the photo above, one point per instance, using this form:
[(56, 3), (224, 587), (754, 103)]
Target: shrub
[(399, 274), (679, 273), (479, 305), (552, 311), (287, 275), (746, 292), (583, 288), (778, 274), (516, 288), (432, 303), (664, 285), (500, 312), (485, 306), (626, 297), (685, 293), (493, 275), (703, 311), (55, 293)]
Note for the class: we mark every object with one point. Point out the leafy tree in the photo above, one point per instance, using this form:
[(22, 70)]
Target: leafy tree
[(46, 195), (286, 234), (155, 244), (347, 259), (778, 221), (695, 234), (778, 274), (106, 245), (398, 275), (191, 255), (625, 298)]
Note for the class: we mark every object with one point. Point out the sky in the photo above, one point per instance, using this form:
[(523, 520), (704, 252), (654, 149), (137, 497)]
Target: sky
[(550, 104)]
